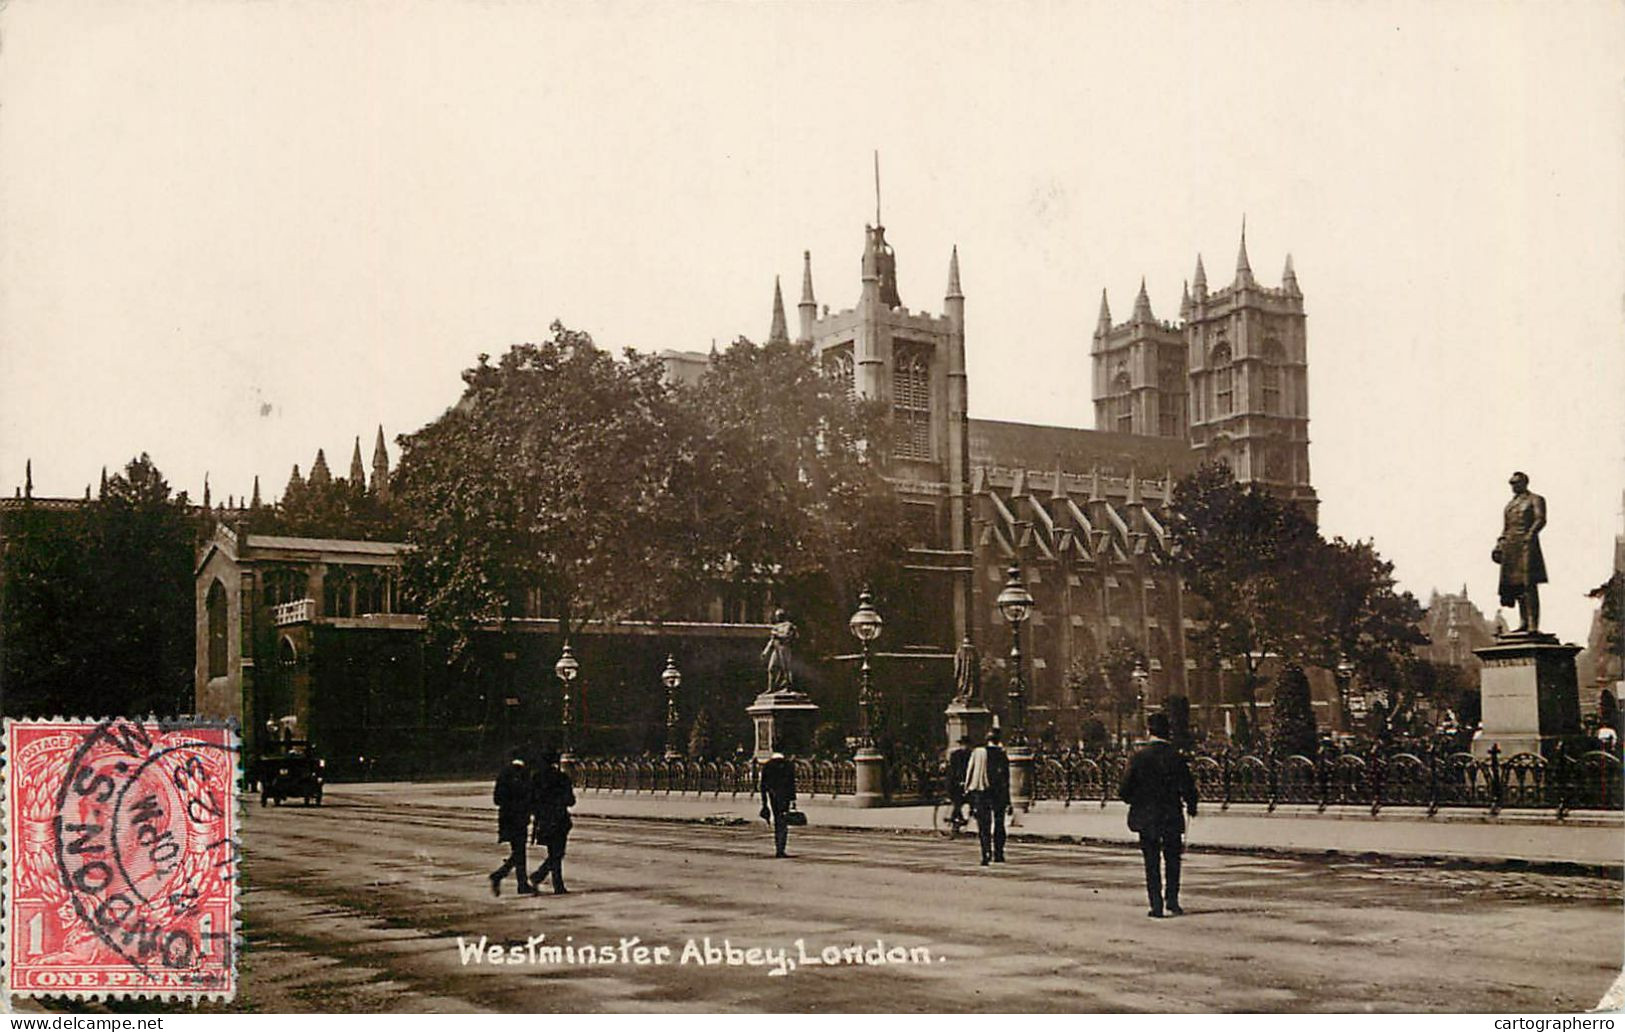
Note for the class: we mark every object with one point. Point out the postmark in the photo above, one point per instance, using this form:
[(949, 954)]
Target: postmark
[(121, 858)]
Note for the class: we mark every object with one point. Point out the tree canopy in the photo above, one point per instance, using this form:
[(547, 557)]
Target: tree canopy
[(1274, 588), (570, 483)]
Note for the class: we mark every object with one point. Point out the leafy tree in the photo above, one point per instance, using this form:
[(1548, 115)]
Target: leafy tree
[(789, 485), (1122, 697), (333, 507), (1292, 730), (1274, 588), (97, 604), (554, 487), (1247, 555)]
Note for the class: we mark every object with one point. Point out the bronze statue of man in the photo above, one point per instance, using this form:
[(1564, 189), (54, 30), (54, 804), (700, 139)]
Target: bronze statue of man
[(777, 653), (1518, 552)]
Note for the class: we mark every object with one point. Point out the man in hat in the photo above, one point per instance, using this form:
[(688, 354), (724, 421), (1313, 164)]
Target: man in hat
[(987, 784), (1518, 553), (958, 760), (552, 795), (512, 797), (778, 784), (1160, 791)]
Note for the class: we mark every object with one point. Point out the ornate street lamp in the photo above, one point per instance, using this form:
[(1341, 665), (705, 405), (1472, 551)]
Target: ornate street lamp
[(1343, 672), (865, 624), (1016, 605), (566, 669), (672, 678)]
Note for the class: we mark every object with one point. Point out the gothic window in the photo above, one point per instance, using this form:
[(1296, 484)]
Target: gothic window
[(1223, 381), (911, 403), (218, 630), (283, 585), (838, 366), (1273, 358), (1123, 402)]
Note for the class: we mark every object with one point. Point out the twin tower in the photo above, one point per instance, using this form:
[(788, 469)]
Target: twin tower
[(1230, 377)]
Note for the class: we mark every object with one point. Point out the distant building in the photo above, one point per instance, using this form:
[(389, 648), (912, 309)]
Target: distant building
[(1455, 626)]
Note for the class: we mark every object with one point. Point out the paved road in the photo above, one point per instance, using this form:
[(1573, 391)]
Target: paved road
[(355, 907)]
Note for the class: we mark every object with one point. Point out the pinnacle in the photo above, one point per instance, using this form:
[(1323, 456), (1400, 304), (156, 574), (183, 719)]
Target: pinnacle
[(806, 279), (779, 333), (953, 275)]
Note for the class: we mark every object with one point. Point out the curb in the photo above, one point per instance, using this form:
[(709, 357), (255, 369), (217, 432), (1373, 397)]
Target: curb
[(1612, 872)]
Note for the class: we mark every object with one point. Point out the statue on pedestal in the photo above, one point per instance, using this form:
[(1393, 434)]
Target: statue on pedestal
[(1517, 551), (967, 674), (777, 653)]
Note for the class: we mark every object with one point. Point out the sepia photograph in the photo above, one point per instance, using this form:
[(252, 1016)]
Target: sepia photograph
[(726, 508)]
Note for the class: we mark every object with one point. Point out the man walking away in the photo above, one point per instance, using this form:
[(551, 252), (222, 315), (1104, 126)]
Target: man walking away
[(512, 797), (958, 761), (553, 795), (778, 783), (987, 784), (1159, 791)]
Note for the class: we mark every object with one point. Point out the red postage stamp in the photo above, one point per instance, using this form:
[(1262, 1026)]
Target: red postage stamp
[(121, 858)]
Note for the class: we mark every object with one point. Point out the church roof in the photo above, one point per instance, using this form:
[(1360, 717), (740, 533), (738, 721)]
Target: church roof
[(1029, 446)]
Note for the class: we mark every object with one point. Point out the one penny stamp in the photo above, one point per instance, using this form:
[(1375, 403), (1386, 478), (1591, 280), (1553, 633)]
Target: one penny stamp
[(121, 861)]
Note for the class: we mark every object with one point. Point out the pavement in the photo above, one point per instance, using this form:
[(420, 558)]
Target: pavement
[(1590, 840)]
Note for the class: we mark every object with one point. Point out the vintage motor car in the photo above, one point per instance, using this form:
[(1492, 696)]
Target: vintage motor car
[(291, 770)]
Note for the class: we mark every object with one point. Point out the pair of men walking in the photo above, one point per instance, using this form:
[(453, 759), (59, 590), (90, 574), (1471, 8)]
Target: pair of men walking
[(534, 806)]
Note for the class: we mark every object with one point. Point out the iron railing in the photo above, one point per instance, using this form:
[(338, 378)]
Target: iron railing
[(1525, 781)]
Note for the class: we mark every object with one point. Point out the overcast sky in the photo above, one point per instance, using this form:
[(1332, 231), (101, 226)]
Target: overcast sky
[(232, 233)]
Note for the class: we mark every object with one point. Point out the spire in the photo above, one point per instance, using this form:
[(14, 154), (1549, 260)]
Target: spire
[(102, 491), (205, 490), (254, 503), (779, 332), (320, 476), (296, 483), (953, 276), (1185, 300), (1199, 279), (1244, 271), (380, 466), (358, 472), (1142, 305), (806, 279), (1289, 278), (1105, 322), (877, 189), (28, 479)]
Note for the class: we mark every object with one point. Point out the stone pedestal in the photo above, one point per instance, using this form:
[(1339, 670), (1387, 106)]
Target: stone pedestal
[(1021, 776), (785, 718), (967, 719), (871, 777), (1529, 694)]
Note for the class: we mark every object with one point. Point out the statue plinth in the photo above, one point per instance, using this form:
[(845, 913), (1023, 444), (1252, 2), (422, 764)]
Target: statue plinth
[(783, 717), (871, 777), (1021, 776), (1529, 694), (967, 719)]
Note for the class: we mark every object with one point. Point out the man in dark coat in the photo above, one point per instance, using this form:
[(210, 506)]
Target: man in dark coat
[(1159, 791), (552, 794), (987, 785), (512, 797), (778, 784), (958, 760)]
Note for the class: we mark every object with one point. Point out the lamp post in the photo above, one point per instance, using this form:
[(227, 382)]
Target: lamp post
[(1016, 605), (1344, 672), (567, 669), (672, 678), (1141, 677), (865, 626)]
